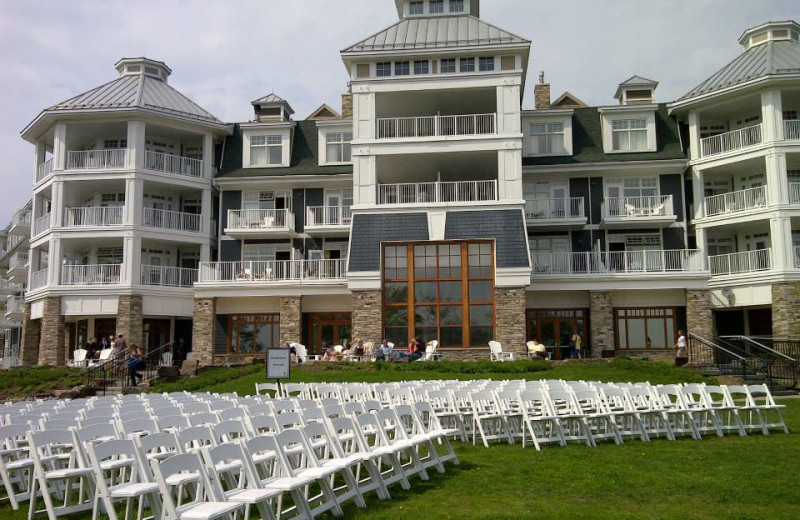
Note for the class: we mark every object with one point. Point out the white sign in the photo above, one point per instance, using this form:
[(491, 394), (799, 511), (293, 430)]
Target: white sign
[(278, 363)]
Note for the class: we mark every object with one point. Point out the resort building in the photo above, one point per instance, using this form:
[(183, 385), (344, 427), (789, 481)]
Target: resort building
[(14, 240)]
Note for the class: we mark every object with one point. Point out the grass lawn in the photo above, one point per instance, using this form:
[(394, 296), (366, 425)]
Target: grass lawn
[(738, 478)]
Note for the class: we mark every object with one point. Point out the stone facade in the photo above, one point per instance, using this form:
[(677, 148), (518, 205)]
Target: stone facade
[(785, 309), (204, 330), (699, 318), (509, 316), (52, 348), (291, 319), (31, 332), (347, 104), (129, 318), (601, 316), (367, 316)]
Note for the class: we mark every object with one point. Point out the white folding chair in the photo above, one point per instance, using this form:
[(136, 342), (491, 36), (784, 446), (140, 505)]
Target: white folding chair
[(727, 412), (416, 433), (670, 398), (386, 454), (488, 420), (191, 440), (16, 466), (266, 388), (395, 433), (348, 444), (600, 420), (326, 455), (626, 417), (574, 424), (766, 409), (704, 415), (538, 420)]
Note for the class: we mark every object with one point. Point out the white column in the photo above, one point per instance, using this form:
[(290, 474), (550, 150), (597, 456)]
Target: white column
[(132, 260), (57, 208), (38, 157), (60, 146), (780, 235), (136, 146), (364, 180), (205, 252), (771, 116), (134, 201), (509, 175), (206, 210), (694, 135), (701, 240), (364, 115), (777, 178), (55, 262), (208, 156), (698, 193)]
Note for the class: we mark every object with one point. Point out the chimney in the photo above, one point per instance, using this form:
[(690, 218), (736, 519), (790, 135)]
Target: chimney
[(347, 103), (541, 94)]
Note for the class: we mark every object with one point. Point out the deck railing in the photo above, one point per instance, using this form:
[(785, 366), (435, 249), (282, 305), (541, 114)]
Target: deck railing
[(739, 263), (791, 129), (100, 274), (638, 207), (44, 170), (41, 224), (96, 216), (260, 219), (273, 271), (328, 216), (432, 126), (555, 209), (14, 304), (736, 201), (435, 192), (617, 262), (39, 279), (112, 158), (731, 141), (177, 220), (177, 164), (8, 285), (18, 260), (796, 257), (21, 218), (166, 276)]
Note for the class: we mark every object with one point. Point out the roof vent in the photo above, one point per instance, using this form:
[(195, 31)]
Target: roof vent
[(143, 66)]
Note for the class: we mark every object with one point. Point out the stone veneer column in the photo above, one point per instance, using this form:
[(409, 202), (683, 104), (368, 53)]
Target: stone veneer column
[(129, 319), (699, 318), (31, 332), (601, 322), (51, 339), (204, 325), (367, 317), (509, 309), (291, 319), (785, 305)]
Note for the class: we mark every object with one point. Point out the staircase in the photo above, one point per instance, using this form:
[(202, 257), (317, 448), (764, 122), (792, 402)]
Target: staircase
[(113, 377)]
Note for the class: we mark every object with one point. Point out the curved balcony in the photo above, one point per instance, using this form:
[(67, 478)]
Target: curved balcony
[(41, 224), (165, 276), (741, 263), (173, 220), (44, 170), (109, 159), (175, 164), (105, 216), (736, 201), (99, 274), (731, 141)]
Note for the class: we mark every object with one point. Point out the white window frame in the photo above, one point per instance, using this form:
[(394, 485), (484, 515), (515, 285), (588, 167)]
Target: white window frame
[(486, 59), (342, 141), (623, 130), (452, 4), (270, 143), (425, 63), (528, 144), (463, 62), (263, 252), (610, 115), (449, 60), (546, 129), (439, 4), (417, 3)]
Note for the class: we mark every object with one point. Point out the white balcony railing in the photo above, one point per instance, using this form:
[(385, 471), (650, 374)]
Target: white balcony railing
[(44, 170), (164, 162), (797, 257), (113, 158), (435, 192), (14, 304), (317, 216), (638, 207), (432, 126), (731, 141), (8, 285), (177, 220), (274, 271), (39, 279), (21, 218), (18, 260), (794, 192), (100, 274), (617, 262), (41, 224), (736, 201), (94, 216), (554, 209), (168, 276), (791, 129), (255, 219), (738, 263)]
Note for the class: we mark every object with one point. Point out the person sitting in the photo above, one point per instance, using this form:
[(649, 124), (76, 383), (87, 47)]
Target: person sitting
[(538, 350), (330, 354), (415, 350), (385, 352), (135, 363), (358, 351)]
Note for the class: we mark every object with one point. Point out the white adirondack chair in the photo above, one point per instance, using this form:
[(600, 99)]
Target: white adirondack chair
[(78, 358), (497, 354)]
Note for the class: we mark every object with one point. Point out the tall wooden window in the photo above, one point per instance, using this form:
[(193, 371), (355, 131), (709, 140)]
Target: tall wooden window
[(253, 333), (646, 328)]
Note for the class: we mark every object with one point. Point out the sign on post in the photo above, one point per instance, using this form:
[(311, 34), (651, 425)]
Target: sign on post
[(278, 363)]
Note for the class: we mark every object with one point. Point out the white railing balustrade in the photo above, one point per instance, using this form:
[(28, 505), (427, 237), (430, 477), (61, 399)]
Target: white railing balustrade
[(432, 126), (791, 129), (41, 224), (273, 271), (738, 263), (554, 209), (14, 304), (39, 279), (433, 192), (797, 257), (166, 276), (260, 219), (18, 260), (617, 262), (110, 159), (177, 164), (44, 170), (177, 220), (21, 218), (731, 141), (100, 274), (794, 192), (8, 285), (638, 207), (317, 216), (94, 216), (736, 201)]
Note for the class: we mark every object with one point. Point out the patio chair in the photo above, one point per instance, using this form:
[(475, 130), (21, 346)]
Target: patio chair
[(496, 352), (78, 358)]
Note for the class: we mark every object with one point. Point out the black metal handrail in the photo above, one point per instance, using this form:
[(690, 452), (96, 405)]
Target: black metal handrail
[(705, 352), (775, 366), (786, 345), (117, 368)]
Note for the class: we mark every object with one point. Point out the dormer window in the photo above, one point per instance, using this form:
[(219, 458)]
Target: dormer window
[(266, 150), (416, 8), (456, 6), (547, 139), (338, 147), (628, 135), (436, 6)]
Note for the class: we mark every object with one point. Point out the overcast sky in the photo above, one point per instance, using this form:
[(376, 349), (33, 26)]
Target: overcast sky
[(225, 54)]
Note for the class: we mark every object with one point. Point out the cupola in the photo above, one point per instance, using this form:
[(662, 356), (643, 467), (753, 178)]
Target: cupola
[(770, 32), (143, 67), (636, 90), (272, 109)]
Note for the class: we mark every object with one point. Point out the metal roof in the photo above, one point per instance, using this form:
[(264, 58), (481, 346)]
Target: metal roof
[(269, 98), (773, 58), (436, 32)]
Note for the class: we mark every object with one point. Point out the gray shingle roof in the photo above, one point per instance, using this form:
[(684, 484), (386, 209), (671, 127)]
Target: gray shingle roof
[(436, 32), (772, 58)]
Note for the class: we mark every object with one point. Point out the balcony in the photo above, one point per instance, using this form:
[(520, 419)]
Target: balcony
[(435, 126), (164, 276), (14, 306), (272, 271), (38, 279), (44, 170), (20, 221), (255, 223), (99, 274), (41, 224), (564, 213), (110, 159), (7, 287), (632, 212), (449, 192), (730, 141), (175, 164), (18, 264), (323, 220), (737, 201), (741, 263), (791, 129), (616, 263), (174, 220), (107, 216)]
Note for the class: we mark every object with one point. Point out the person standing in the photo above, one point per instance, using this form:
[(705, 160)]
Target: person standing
[(681, 353), (119, 346), (576, 342)]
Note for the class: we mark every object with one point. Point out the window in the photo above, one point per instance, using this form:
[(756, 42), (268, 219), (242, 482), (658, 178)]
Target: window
[(401, 68), (421, 66), (547, 139), (266, 149), (362, 70), (415, 8), (640, 187), (447, 65), (629, 135), (466, 64), (436, 6), (383, 69), (338, 147), (646, 328), (486, 63), (258, 252), (252, 333), (110, 144), (789, 115), (109, 255), (456, 6)]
